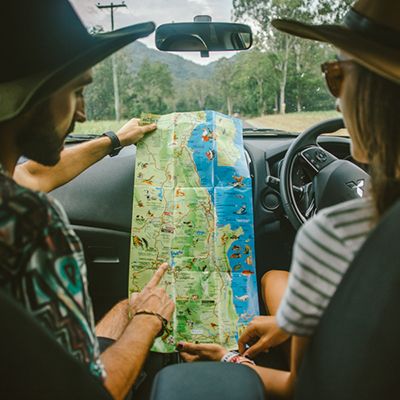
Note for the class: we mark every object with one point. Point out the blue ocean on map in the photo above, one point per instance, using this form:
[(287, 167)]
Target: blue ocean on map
[(230, 189)]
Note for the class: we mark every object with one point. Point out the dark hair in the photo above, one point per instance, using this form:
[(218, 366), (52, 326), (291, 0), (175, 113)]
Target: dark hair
[(376, 118)]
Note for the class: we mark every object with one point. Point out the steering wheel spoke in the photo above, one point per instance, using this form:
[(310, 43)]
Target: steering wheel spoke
[(317, 158), (311, 210), (333, 180), (306, 201)]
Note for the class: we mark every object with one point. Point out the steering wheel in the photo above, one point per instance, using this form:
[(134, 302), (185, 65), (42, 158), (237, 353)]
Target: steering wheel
[(332, 180)]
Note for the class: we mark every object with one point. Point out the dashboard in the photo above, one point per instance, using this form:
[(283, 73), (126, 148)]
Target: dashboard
[(99, 206)]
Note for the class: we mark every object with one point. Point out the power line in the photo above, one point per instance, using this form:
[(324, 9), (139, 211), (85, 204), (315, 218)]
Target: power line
[(111, 6)]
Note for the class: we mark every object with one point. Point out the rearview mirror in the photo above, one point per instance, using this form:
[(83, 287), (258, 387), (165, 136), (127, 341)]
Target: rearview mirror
[(203, 36)]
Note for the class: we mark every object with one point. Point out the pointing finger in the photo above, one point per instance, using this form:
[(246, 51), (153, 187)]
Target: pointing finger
[(158, 275)]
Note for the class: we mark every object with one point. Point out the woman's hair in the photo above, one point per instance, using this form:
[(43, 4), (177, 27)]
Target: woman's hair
[(376, 118)]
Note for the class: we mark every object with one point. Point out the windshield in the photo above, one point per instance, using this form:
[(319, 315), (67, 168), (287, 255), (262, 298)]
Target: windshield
[(276, 87)]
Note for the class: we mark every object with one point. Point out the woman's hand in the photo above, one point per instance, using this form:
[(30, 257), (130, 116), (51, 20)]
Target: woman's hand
[(201, 352), (261, 334), (132, 132)]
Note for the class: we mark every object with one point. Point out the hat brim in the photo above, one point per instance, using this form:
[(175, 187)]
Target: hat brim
[(15, 96), (376, 56)]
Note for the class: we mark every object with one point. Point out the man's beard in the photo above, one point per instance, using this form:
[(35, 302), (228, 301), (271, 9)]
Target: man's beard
[(71, 127), (38, 140)]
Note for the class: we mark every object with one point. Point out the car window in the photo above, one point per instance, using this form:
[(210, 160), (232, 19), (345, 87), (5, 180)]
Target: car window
[(277, 84)]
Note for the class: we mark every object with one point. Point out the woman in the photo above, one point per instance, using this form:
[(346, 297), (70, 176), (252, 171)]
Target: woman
[(366, 81)]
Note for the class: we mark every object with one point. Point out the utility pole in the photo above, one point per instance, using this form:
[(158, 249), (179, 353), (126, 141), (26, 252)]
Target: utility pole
[(111, 6)]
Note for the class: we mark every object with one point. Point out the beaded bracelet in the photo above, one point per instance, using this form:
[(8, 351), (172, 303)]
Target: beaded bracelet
[(164, 322), (236, 358)]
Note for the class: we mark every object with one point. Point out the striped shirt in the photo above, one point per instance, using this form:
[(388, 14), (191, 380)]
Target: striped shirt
[(323, 250)]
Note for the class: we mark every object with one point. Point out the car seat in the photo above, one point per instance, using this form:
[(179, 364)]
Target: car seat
[(34, 366), (355, 352), (207, 381)]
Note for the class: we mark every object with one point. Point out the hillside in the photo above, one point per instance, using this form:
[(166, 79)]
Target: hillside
[(180, 68)]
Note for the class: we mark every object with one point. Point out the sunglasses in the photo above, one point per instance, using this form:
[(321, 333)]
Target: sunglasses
[(334, 74)]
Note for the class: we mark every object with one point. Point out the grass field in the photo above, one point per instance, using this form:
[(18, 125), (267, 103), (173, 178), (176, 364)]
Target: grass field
[(293, 122)]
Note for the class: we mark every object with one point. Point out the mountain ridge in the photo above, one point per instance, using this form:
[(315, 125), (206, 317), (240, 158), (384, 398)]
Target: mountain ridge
[(181, 68)]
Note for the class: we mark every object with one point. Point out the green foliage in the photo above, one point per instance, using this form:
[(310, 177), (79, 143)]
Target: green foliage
[(99, 97), (255, 83), (287, 50), (151, 90), (281, 74)]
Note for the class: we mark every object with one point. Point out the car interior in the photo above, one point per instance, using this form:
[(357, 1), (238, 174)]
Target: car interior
[(293, 177), (104, 229)]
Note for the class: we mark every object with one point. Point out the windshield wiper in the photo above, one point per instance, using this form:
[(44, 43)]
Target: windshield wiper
[(268, 132)]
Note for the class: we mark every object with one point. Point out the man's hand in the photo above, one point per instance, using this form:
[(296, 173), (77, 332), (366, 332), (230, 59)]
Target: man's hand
[(262, 333), (113, 324), (76, 159), (132, 132), (124, 360), (191, 352), (153, 298)]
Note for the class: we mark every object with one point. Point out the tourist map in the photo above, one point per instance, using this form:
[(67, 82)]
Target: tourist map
[(192, 208)]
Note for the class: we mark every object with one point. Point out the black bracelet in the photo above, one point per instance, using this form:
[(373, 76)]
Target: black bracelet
[(164, 322), (116, 144)]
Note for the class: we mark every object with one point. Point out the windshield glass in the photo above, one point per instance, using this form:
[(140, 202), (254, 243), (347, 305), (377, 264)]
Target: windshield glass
[(276, 85)]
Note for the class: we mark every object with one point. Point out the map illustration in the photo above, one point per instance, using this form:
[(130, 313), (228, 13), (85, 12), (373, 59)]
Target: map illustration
[(193, 208)]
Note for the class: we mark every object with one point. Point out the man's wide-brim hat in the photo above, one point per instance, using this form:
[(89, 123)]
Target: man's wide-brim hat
[(370, 34), (44, 45)]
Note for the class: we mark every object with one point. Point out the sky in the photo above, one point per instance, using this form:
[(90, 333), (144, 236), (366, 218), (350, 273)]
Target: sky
[(159, 11)]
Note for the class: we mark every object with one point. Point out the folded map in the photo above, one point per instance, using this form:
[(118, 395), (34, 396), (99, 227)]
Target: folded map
[(193, 208)]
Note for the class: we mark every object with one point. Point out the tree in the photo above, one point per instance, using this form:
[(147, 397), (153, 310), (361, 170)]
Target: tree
[(282, 45), (99, 98), (223, 77), (100, 94), (254, 82), (192, 95), (151, 89)]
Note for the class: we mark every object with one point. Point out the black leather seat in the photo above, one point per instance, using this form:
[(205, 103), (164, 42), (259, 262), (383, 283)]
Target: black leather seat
[(207, 381), (355, 353), (34, 366)]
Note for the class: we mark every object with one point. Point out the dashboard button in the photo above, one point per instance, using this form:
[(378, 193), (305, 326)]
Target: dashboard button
[(271, 201)]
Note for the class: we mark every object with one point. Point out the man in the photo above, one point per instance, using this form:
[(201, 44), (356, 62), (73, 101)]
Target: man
[(42, 267), (76, 159)]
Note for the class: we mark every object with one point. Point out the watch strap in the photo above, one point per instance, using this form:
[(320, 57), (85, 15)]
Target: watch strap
[(116, 144)]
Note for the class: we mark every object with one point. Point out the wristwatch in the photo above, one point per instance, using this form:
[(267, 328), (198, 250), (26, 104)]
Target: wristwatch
[(116, 144)]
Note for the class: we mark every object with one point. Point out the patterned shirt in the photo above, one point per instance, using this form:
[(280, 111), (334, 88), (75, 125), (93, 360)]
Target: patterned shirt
[(42, 267), (324, 248)]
